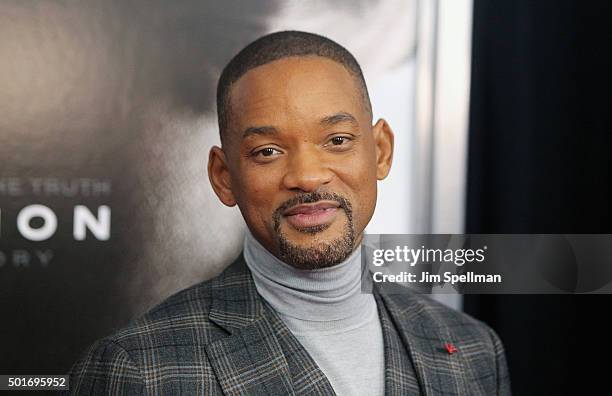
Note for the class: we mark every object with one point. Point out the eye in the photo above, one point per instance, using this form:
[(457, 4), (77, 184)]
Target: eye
[(266, 152), (338, 140), (340, 143)]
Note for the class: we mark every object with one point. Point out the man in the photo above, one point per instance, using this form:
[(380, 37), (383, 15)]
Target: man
[(301, 159)]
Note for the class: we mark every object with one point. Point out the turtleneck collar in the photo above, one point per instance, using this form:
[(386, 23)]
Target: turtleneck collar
[(325, 298)]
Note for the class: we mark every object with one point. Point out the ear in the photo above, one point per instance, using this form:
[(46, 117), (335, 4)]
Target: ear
[(383, 141), (219, 176)]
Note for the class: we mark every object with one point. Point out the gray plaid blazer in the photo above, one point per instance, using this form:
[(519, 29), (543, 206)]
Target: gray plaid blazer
[(221, 337)]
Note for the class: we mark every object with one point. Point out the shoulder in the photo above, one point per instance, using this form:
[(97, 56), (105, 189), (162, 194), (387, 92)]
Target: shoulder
[(430, 325), (182, 312), (438, 318), (106, 368), (486, 352), (151, 350)]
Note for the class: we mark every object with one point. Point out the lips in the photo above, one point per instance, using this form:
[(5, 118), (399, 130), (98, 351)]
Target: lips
[(311, 208), (312, 215)]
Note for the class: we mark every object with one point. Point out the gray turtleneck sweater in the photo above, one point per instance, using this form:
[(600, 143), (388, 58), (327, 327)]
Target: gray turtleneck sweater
[(326, 311)]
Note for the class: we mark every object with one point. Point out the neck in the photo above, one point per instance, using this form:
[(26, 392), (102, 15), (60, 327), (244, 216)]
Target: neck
[(317, 296)]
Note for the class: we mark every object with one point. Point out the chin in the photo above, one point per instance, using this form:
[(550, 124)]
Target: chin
[(316, 249)]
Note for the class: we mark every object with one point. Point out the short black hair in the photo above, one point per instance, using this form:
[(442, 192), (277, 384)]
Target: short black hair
[(277, 46)]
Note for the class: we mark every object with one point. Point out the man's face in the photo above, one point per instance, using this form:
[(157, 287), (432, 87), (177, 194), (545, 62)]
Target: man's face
[(301, 159)]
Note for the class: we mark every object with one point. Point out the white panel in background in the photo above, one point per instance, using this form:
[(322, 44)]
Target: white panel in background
[(443, 80), (451, 115), (392, 96)]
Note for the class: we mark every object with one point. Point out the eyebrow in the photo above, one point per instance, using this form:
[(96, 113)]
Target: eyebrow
[(262, 130), (338, 118), (325, 121)]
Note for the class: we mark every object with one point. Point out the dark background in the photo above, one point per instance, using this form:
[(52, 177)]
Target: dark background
[(539, 162)]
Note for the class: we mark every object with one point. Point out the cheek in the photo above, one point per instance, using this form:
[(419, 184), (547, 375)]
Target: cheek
[(361, 168), (257, 191), (366, 201), (359, 174)]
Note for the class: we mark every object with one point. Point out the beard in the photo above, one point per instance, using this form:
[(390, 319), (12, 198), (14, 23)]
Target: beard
[(324, 254)]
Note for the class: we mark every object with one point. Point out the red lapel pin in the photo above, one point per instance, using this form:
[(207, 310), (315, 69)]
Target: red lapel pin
[(450, 348)]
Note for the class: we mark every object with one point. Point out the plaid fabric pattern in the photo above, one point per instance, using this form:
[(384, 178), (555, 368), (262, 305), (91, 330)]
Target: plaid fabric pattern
[(220, 337), (400, 378), (426, 326), (307, 377)]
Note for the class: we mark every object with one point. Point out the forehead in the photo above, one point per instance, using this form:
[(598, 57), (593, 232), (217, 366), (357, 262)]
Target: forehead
[(294, 90)]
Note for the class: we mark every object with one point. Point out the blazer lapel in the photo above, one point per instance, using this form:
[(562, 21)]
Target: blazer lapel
[(437, 371), (400, 377), (250, 360), (307, 377)]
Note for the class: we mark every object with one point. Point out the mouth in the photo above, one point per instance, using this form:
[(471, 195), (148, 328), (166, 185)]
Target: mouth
[(317, 214)]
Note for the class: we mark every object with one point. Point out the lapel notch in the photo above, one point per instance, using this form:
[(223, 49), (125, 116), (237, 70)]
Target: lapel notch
[(250, 360)]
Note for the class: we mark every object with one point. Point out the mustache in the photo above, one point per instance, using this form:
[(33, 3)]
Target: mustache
[(312, 197)]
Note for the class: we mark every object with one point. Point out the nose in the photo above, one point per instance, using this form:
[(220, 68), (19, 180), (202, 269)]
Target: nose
[(306, 171)]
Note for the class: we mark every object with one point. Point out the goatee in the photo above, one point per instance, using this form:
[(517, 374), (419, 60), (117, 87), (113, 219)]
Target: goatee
[(325, 254)]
